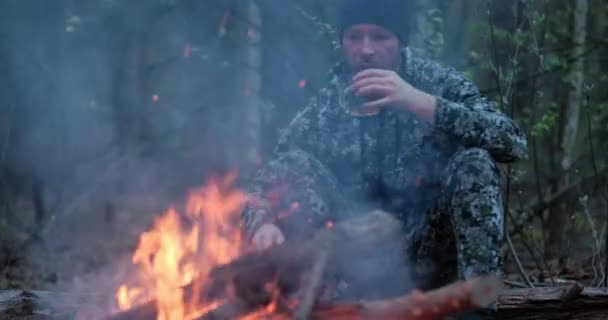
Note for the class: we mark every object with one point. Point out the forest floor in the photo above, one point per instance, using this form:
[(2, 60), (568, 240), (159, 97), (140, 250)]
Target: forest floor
[(95, 239)]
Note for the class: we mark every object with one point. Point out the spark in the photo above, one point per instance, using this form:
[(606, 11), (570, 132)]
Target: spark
[(302, 83), (223, 23), (187, 50)]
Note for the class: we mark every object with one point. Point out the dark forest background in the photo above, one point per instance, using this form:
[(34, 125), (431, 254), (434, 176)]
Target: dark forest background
[(110, 110)]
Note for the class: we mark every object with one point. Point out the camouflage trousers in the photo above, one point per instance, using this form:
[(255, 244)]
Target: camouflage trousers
[(464, 236), (456, 233)]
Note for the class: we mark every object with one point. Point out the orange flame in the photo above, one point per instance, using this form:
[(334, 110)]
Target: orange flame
[(182, 248)]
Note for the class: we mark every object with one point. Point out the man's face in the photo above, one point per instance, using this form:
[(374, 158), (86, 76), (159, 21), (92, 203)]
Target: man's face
[(370, 46)]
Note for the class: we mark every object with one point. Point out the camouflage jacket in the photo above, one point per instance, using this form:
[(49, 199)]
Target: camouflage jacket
[(405, 153)]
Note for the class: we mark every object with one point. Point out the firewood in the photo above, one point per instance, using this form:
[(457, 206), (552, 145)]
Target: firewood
[(436, 304), (351, 240), (356, 238), (311, 291), (232, 309)]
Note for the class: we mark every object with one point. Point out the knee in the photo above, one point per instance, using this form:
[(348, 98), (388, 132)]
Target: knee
[(472, 190), (471, 170)]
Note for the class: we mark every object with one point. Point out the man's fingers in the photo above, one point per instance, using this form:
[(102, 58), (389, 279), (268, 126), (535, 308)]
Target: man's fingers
[(371, 73), (269, 240), (372, 106), (267, 237)]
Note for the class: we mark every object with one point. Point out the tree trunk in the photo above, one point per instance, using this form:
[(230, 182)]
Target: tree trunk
[(572, 113), (559, 214), (419, 24), (253, 83), (455, 15)]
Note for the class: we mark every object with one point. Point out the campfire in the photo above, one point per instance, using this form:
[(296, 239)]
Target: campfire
[(181, 250), (196, 264)]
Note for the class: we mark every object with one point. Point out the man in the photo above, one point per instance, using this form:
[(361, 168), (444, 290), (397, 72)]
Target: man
[(423, 145)]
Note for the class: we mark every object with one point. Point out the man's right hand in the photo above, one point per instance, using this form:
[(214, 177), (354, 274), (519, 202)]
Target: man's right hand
[(266, 236)]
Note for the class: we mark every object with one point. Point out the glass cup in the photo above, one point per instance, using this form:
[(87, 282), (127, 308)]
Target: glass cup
[(354, 104)]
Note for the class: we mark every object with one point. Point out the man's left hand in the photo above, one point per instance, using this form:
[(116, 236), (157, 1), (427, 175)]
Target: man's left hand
[(390, 90)]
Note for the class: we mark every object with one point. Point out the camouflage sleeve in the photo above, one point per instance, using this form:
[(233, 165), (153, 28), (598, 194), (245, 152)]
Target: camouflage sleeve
[(267, 190), (302, 131), (464, 113)]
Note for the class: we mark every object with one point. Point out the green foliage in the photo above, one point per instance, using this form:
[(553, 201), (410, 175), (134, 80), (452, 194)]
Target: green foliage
[(434, 40), (546, 124)]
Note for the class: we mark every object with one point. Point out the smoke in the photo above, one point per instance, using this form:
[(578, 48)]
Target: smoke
[(119, 109), (127, 106)]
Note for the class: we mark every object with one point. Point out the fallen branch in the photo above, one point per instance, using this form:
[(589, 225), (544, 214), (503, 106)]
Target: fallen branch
[(436, 304), (568, 302)]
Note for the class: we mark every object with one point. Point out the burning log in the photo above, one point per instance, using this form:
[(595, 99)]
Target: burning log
[(357, 238), (351, 240), (232, 309), (436, 304)]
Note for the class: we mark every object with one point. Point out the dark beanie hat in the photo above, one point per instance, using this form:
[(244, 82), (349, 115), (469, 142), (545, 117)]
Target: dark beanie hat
[(390, 14)]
